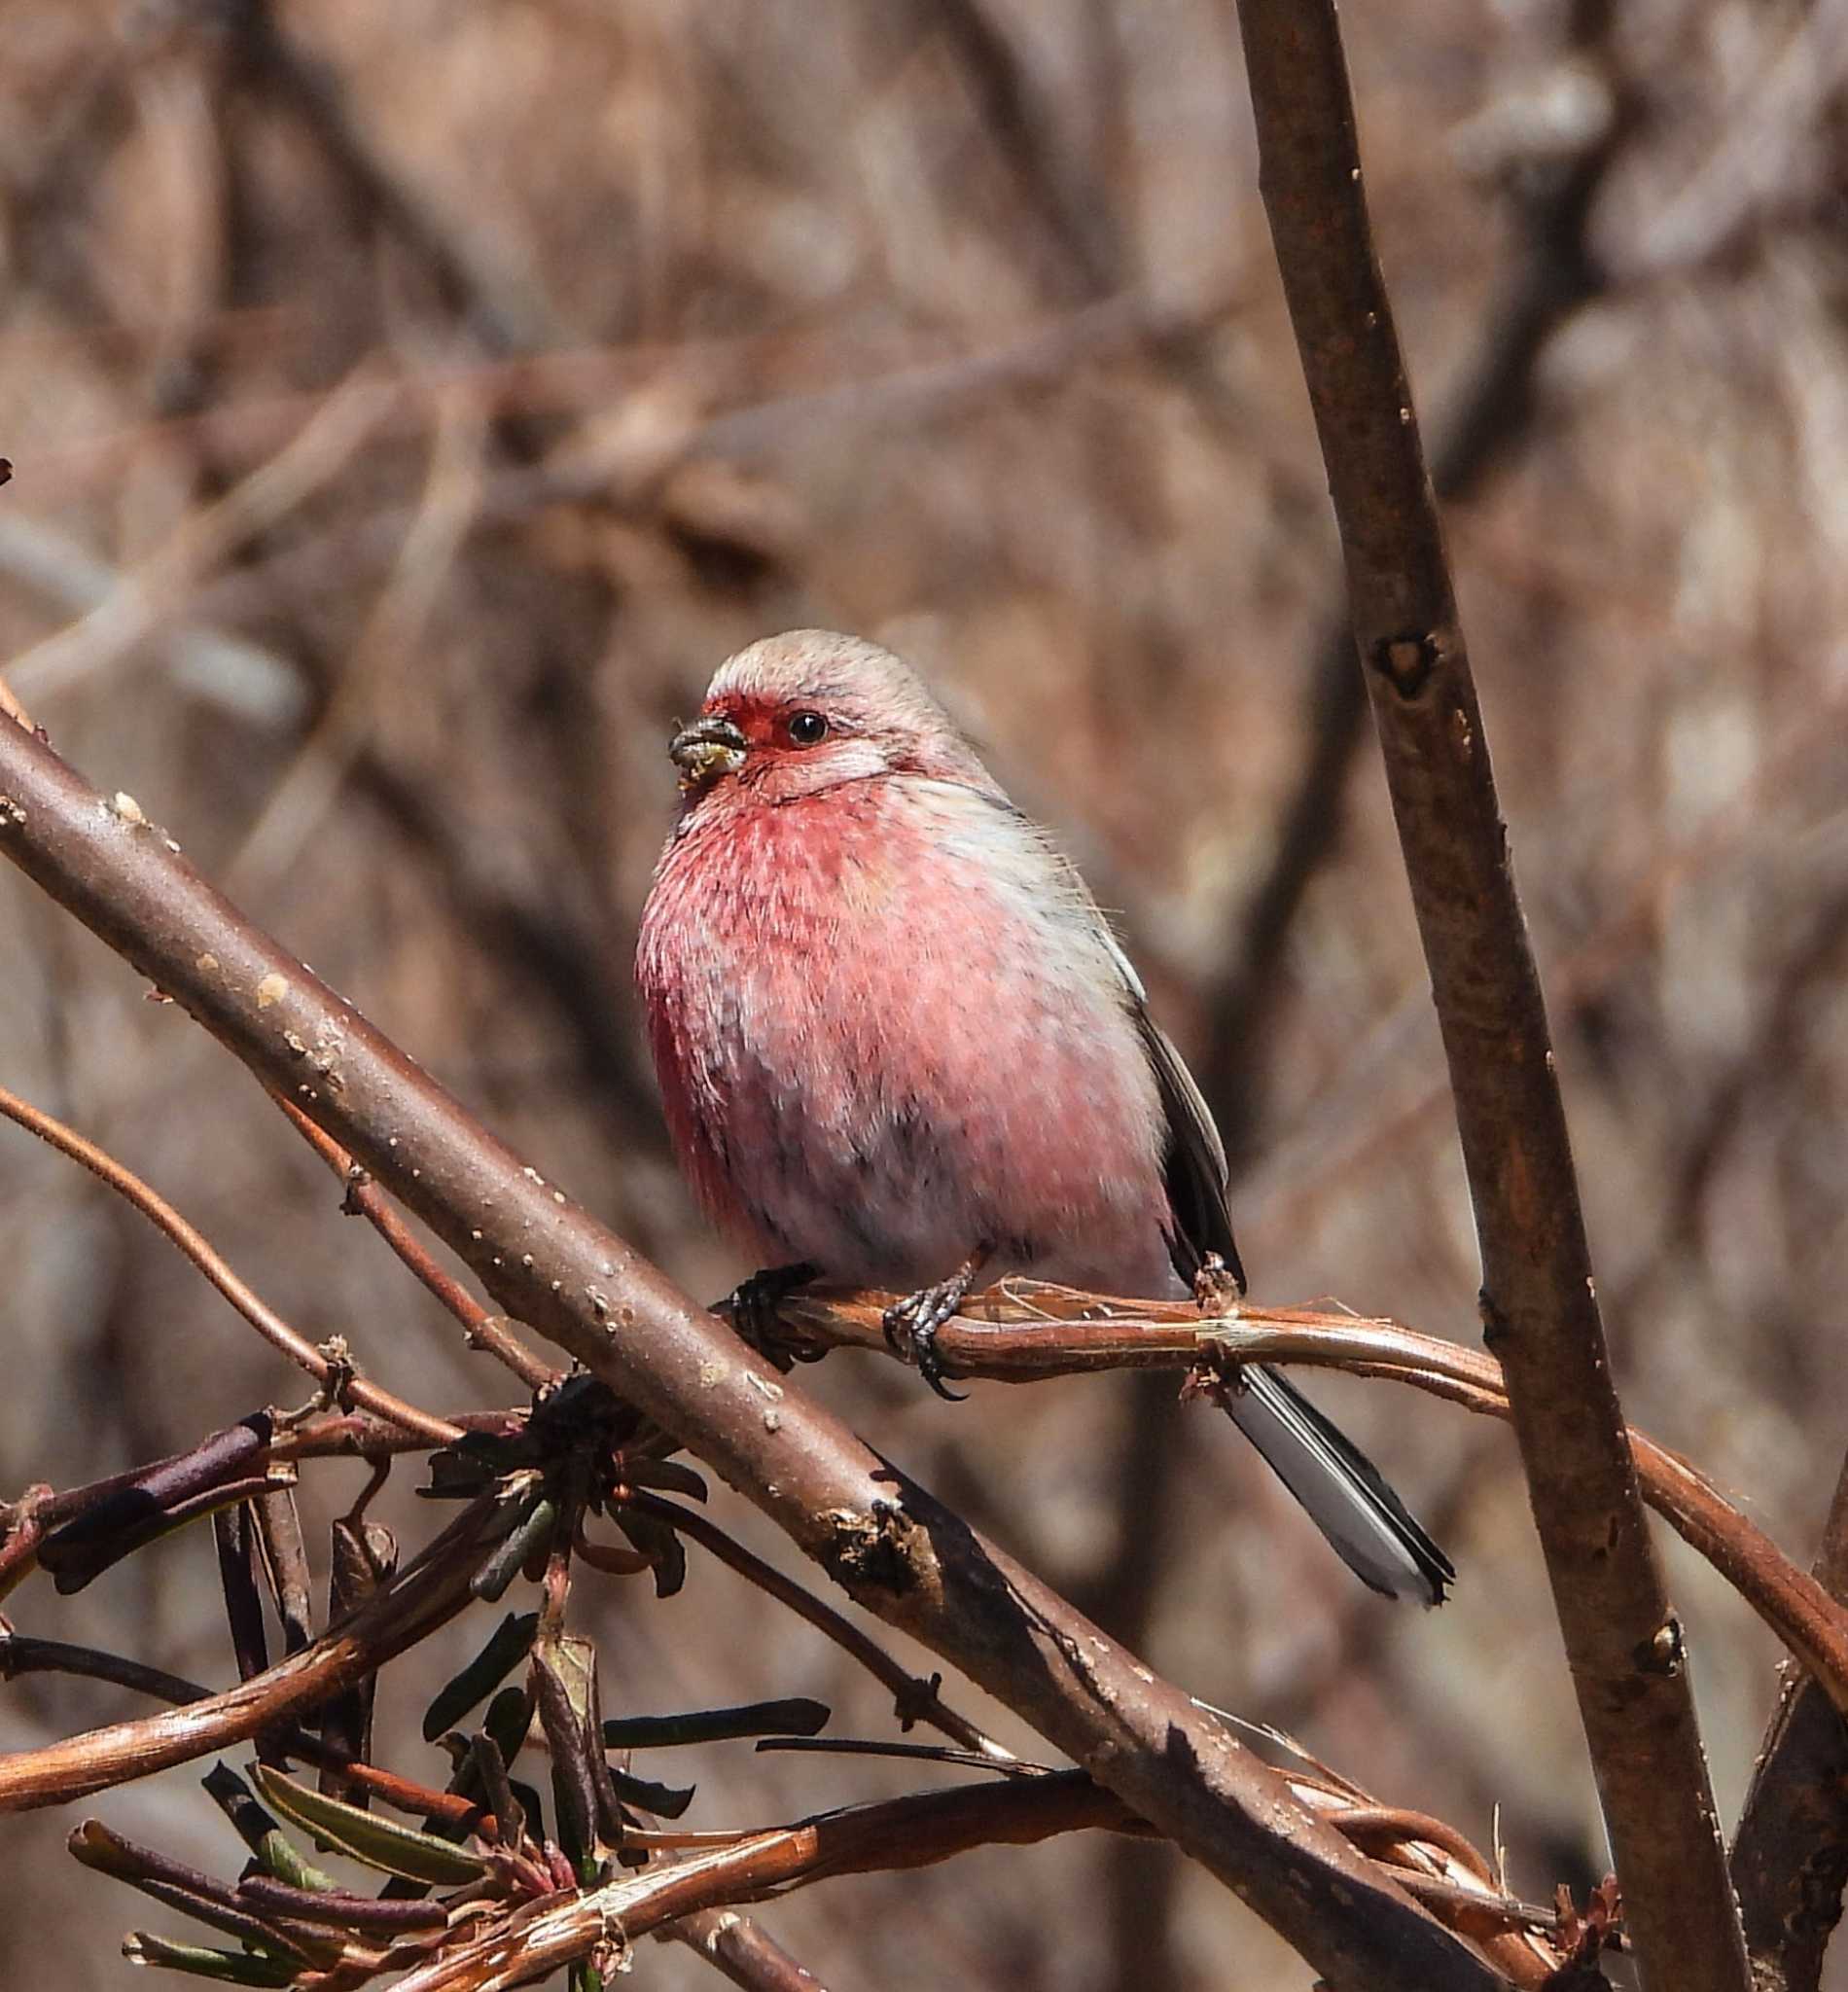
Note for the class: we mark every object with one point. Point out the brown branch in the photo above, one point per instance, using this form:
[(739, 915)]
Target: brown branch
[(263, 1318), (1790, 1854), (894, 1548), (742, 1950), (1025, 1330), (1492, 417), (917, 1831), (431, 1592), (1622, 1640)]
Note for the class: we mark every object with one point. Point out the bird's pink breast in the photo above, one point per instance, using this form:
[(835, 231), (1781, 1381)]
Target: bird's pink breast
[(888, 1033)]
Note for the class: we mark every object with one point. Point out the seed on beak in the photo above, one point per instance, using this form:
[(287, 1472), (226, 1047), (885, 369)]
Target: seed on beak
[(706, 750)]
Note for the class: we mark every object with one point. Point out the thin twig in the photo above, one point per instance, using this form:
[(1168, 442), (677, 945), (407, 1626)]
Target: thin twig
[(263, 1318), (743, 1950), (365, 1199), (917, 1700), (19, 1656)]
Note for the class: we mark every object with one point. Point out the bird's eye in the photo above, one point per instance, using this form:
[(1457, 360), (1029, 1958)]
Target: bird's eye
[(807, 728)]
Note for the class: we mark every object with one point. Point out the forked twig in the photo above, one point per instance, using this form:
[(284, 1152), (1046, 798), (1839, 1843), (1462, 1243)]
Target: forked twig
[(364, 1198), (197, 1247)]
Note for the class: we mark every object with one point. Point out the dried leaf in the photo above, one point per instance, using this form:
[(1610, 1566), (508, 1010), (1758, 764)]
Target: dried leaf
[(665, 1801), (399, 1850), (227, 1967), (670, 1474), (530, 1534), (277, 1854), (508, 1644), (662, 1546), (797, 1715)]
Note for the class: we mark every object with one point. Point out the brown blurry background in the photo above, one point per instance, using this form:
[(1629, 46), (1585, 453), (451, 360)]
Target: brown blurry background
[(411, 405)]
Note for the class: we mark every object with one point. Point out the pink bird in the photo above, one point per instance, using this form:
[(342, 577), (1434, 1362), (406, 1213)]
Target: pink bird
[(899, 1045)]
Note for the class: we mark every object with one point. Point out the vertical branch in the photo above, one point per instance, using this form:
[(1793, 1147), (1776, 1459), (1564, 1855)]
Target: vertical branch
[(1538, 1303)]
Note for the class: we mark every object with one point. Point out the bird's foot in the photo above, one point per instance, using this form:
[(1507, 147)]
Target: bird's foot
[(911, 1325), (754, 1305)]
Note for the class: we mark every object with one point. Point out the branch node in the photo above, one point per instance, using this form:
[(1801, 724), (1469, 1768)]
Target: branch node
[(1664, 1653), (1497, 1329), (872, 1550), (916, 1701), (1407, 663), (335, 1391), (358, 1178)]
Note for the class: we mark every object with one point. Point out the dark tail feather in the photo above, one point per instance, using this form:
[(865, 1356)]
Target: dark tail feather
[(1344, 1493)]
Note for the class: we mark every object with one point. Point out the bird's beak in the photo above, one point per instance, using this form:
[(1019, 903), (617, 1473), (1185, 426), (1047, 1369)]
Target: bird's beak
[(704, 751)]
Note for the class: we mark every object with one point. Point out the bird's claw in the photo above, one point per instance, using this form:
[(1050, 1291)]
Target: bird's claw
[(911, 1326), (754, 1305)]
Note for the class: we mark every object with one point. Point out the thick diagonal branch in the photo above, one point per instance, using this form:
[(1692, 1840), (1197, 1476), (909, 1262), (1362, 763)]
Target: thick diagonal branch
[(1539, 1302), (900, 1552)]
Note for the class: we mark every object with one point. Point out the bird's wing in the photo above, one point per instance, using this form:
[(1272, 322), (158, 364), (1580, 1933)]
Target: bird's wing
[(1195, 1161), (1194, 1158), (1194, 1165)]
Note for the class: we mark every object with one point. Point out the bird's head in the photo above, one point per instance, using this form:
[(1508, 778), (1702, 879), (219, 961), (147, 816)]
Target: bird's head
[(798, 714)]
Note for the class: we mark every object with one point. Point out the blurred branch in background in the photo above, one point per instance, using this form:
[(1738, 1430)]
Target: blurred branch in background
[(325, 1369)]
